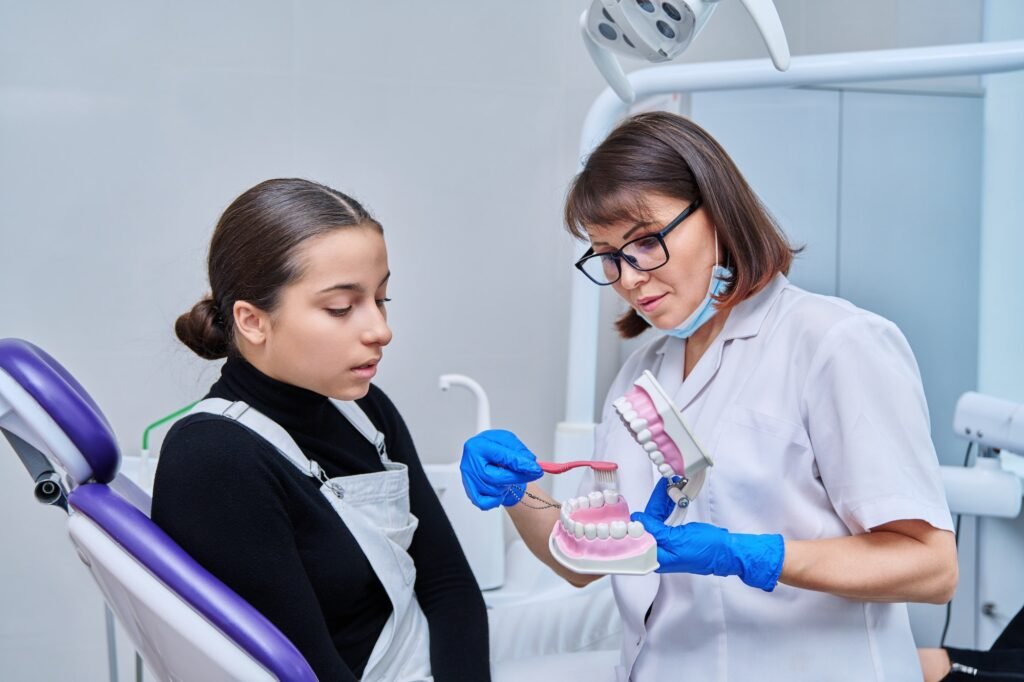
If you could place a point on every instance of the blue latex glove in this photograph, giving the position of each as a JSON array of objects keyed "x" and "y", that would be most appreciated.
[
  {"x": 705, "y": 549},
  {"x": 496, "y": 467}
]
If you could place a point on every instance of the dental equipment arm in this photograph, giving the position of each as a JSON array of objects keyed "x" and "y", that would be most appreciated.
[
  {"x": 993, "y": 486},
  {"x": 992, "y": 423},
  {"x": 661, "y": 31}
]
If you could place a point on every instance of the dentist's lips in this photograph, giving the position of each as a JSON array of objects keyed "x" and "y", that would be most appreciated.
[
  {"x": 367, "y": 371},
  {"x": 649, "y": 303}
]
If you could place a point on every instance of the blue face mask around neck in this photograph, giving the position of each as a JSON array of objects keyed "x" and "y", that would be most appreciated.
[{"x": 704, "y": 312}]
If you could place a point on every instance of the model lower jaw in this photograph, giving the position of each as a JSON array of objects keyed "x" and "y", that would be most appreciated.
[{"x": 595, "y": 535}]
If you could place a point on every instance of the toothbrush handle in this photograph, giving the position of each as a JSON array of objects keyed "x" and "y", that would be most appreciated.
[{"x": 562, "y": 467}]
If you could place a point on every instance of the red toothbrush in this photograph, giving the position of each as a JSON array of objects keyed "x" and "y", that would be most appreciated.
[{"x": 604, "y": 472}]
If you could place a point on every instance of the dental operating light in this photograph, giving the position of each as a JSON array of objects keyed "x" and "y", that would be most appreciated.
[{"x": 660, "y": 31}]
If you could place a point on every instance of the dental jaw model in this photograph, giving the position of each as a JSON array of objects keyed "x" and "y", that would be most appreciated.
[
  {"x": 594, "y": 534},
  {"x": 658, "y": 426}
]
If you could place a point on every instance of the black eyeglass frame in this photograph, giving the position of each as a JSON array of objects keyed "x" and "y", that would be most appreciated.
[{"x": 620, "y": 256}]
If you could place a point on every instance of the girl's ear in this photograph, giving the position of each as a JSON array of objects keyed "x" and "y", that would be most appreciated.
[{"x": 251, "y": 323}]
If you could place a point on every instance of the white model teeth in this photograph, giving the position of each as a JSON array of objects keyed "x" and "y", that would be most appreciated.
[
  {"x": 638, "y": 425},
  {"x": 630, "y": 415},
  {"x": 665, "y": 469},
  {"x": 650, "y": 446},
  {"x": 643, "y": 436},
  {"x": 657, "y": 457},
  {"x": 593, "y": 500},
  {"x": 615, "y": 530},
  {"x": 621, "y": 405}
]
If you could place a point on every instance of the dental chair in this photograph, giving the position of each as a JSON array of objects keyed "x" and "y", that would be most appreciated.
[{"x": 185, "y": 623}]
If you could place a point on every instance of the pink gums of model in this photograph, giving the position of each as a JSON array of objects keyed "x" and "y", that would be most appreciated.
[
  {"x": 596, "y": 536},
  {"x": 643, "y": 405}
]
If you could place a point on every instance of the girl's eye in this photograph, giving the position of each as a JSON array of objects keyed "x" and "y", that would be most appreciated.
[
  {"x": 382, "y": 301},
  {"x": 339, "y": 312}
]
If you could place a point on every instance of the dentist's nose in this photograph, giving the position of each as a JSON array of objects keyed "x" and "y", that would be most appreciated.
[{"x": 630, "y": 278}]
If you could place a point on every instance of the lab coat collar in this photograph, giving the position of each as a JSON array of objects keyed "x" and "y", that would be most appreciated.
[
  {"x": 746, "y": 317},
  {"x": 744, "y": 321}
]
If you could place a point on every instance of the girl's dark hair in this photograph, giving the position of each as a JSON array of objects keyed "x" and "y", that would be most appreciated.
[
  {"x": 661, "y": 153},
  {"x": 252, "y": 254}
]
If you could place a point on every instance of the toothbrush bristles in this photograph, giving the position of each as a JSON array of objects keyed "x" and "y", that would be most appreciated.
[{"x": 605, "y": 479}]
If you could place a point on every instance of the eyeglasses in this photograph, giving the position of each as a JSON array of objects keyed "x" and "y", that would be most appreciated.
[{"x": 643, "y": 253}]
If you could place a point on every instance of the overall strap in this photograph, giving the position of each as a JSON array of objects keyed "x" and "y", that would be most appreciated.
[
  {"x": 355, "y": 415},
  {"x": 262, "y": 426}
]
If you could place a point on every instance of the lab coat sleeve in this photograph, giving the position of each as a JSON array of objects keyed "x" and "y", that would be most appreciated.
[{"x": 866, "y": 415}]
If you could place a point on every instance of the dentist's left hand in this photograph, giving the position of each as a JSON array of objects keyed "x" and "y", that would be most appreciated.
[
  {"x": 496, "y": 467},
  {"x": 705, "y": 549}
]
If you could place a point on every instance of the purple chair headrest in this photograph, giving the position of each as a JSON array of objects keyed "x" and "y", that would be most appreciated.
[
  {"x": 231, "y": 614},
  {"x": 67, "y": 403}
]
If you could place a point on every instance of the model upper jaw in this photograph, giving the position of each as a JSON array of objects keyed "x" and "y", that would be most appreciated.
[{"x": 645, "y": 424}]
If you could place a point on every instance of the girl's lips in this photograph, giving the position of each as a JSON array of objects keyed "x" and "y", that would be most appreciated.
[
  {"x": 366, "y": 371},
  {"x": 649, "y": 303}
]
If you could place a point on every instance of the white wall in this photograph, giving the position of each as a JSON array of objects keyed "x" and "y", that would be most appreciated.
[
  {"x": 127, "y": 127},
  {"x": 1001, "y": 338},
  {"x": 1001, "y": 357}
]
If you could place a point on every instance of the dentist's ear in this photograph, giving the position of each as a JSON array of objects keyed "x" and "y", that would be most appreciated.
[{"x": 251, "y": 323}]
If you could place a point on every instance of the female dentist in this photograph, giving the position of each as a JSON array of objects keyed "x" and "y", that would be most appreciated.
[{"x": 825, "y": 500}]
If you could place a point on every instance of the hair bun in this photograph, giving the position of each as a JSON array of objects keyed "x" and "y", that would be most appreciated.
[{"x": 203, "y": 330}]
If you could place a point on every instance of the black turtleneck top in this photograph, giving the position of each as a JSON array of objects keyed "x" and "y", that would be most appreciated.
[{"x": 252, "y": 519}]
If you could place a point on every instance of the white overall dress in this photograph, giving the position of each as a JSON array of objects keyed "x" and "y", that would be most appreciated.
[{"x": 375, "y": 509}]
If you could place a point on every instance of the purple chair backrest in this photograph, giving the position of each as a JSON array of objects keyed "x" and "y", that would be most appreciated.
[{"x": 36, "y": 393}]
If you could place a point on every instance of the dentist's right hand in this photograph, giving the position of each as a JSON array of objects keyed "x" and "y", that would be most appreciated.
[{"x": 496, "y": 467}]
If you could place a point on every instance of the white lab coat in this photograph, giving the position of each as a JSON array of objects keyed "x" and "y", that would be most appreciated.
[{"x": 814, "y": 413}]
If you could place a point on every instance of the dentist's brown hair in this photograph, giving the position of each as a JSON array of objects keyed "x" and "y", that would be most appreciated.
[{"x": 664, "y": 154}]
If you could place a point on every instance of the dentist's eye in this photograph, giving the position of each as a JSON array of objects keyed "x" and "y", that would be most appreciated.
[
  {"x": 382, "y": 301},
  {"x": 338, "y": 312}
]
